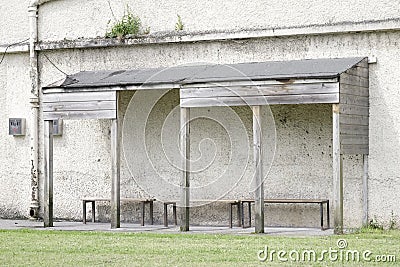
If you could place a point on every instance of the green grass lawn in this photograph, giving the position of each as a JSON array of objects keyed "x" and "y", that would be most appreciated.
[{"x": 67, "y": 248}]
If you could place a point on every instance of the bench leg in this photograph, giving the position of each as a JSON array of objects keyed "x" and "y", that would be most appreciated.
[
  {"x": 242, "y": 211},
  {"x": 84, "y": 212},
  {"x": 165, "y": 215},
  {"x": 93, "y": 211},
  {"x": 143, "y": 213},
  {"x": 230, "y": 215},
  {"x": 174, "y": 213},
  {"x": 239, "y": 214},
  {"x": 327, "y": 214},
  {"x": 249, "y": 204},
  {"x": 151, "y": 213},
  {"x": 321, "y": 209}
]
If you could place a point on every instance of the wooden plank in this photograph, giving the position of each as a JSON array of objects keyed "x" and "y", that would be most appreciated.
[
  {"x": 76, "y": 115},
  {"x": 363, "y": 63},
  {"x": 365, "y": 189},
  {"x": 354, "y": 90},
  {"x": 359, "y": 71},
  {"x": 79, "y": 97},
  {"x": 115, "y": 174},
  {"x": 260, "y": 100},
  {"x": 354, "y": 110},
  {"x": 258, "y": 83},
  {"x": 354, "y": 100},
  {"x": 48, "y": 174},
  {"x": 349, "y": 129},
  {"x": 354, "y": 80},
  {"x": 79, "y": 106},
  {"x": 354, "y": 119},
  {"x": 355, "y": 149},
  {"x": 337, "y": 166},
  {"x": 266, "y": 90},
  {"x": 354, "y": 139},
  {"x": 185, "y": 182},
  {"x": 258, "y": 175}
]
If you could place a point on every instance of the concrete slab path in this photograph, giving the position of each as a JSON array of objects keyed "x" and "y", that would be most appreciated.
[{"x": 130, "y": 227}]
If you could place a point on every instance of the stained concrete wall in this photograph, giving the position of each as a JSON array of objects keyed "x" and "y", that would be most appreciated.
[
  {"x": 302, "y": 163},
  {"x": 14, "y": 152},
  {"x": 72, "y": 19}
]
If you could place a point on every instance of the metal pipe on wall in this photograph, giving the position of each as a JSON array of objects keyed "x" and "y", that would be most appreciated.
[{"x": 34, "y": 104}]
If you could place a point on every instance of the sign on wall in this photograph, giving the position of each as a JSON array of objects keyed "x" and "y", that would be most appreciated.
[{"x": 16, "y": 126}]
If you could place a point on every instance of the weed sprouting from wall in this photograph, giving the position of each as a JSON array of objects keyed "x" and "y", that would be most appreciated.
[
  {"x": 129, "y": 24},
  {"x": 179, "y": 24}
]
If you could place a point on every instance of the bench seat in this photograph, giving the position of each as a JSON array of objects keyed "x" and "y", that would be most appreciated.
[
  {"x": 230, "y": 202},
  {"x": 142, "y": 201},
  {"x": 321, "y": 202}
]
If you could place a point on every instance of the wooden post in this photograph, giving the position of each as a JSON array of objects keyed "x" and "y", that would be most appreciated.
[
  {"x": 337, "y": 172},
  {"x": 115, "y": 174},
  {"x": 365, "y": 189},
  {"x": 185, "y": 182},
  {"x": 48, "y": 174},
  {"x": 258, "y": 175}
]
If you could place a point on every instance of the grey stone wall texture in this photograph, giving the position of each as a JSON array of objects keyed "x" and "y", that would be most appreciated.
[{"x": 299, "y": 141}]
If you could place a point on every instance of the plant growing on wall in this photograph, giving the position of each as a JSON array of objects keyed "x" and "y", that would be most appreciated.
[
  {"x": 129, "y": 24},
  {"x": 179, "y": 25}
]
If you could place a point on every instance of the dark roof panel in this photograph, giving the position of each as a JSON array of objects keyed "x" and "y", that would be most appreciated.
[{"x": 188, "y": 74}]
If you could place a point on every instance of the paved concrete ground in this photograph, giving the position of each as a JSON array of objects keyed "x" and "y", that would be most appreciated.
[{"x": 129, "y": 227}]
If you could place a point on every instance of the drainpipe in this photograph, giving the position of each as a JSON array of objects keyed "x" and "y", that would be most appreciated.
[{"x": 34, "y": 104}]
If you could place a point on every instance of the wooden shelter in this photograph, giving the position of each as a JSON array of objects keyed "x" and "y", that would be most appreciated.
[{"x": 342, "y": 82}]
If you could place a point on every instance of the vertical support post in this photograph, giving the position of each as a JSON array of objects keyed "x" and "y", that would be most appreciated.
[
  {"x": 258, "y": 175},
  {"x": 337, "y": 172},
  {"x": 185, "y": 182},
  {"x": 48, "y": 174},
  {"x": 115, "y": 174},
  {"x": 365, "y": 189}
]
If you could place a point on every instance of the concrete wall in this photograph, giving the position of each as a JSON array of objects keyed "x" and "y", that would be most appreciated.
[
  {"x": 14, "y": 152},
  {"x": 302, "y": 162}
]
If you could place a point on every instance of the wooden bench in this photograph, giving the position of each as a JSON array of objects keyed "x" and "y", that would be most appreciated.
[
  {"x": 289, "y": 201},
  {"x": 143, "y": 202},
  {"x": 230, "y": 203}
]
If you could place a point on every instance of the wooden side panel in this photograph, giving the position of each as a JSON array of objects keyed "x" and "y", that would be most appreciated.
[
  {"x": 354, "y": 110},
  {"x": 80, "y": 105},
  {"x": 264, "y": 94}
]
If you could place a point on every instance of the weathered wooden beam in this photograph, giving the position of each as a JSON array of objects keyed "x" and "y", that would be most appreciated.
[
  {"x": 260, "y": 100},
  {"x": 354, "y": 119},
  {"x": 337, "y": 172},
  {"x": 260, "y": 90},
  {"x": 359, "y": 71},
  {"x": 258, "y": 174},
  {"x": 354, "y": 90},
  {"x": 185, "y": 181},
  {"x": 115, "y": 174},
  {"x": 79, "y": 105},
  {"x": 80, "y": 114},
  {"x": 346, "y": 78},
  {"x": 354, "y": 100},
  {"x": 48, "y": 174},
  {"x": 365, "y": 189},
  {"x": 79, "y": 97},
  {"x": 282, "y": 82},
  {"x": 354, "y": 110}
]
